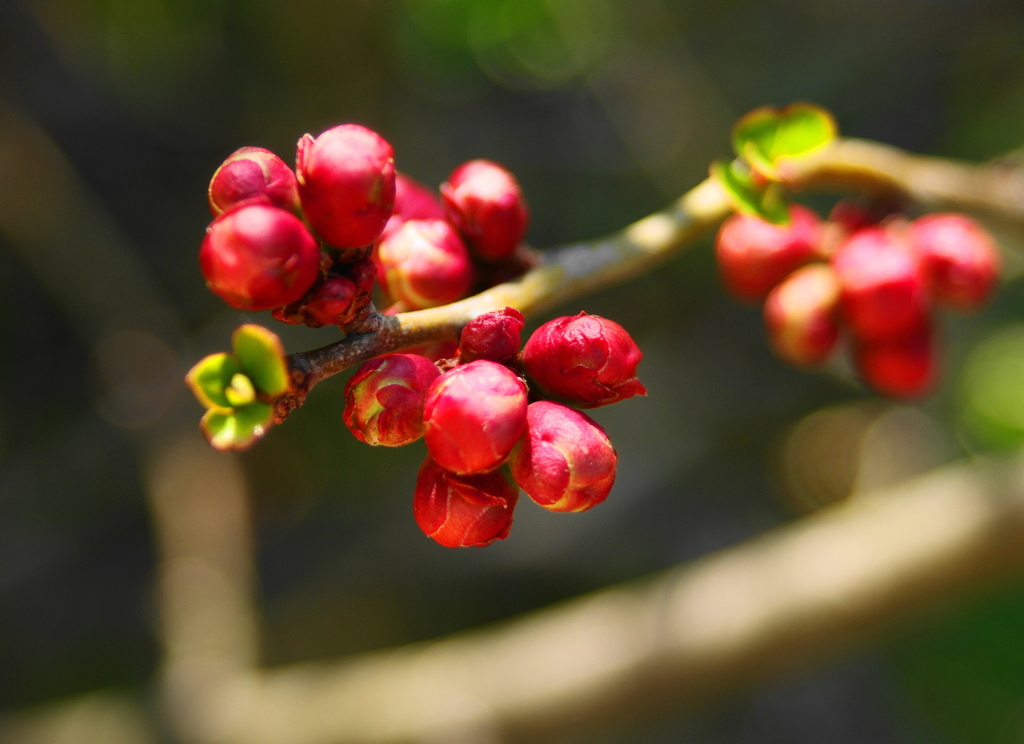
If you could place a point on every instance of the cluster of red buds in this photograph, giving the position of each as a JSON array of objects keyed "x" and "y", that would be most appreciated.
[
  {"x": 496, "y": 419},
  {"x": 872, "y": 278},
  {"x": 308, "y": 244}
]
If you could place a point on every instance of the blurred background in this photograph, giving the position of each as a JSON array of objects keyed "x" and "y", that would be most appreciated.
[{"x": 114, "y": 115}]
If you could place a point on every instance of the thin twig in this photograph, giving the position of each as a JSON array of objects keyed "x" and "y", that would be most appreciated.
[{"x": 582, "y": 268}]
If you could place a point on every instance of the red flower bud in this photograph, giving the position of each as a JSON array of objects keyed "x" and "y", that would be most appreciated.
[
  {"x": 474, "y": 413},
  {"x": 494, "y": 336},
  {"x": 754, "y": 255},
  {"x": 346, "y": 184},
  {"x": 903, "y": 366},
  {"x": 257, "y": 257},
  {"x": 424, "y": 263},
  {"x": 413, "y": 201},
  {"x": 586, "y": 361},
  {"x": 961, "y": 261},
  {"x": 800, "y": 315},
  {"x": 463, "y": 510},
  {"x": 384, "y": 399},
  {"x": 485, "y": 203},
  {"x": 253, "y": 173},
  {"x": 338, "y": 299},
  {"x": 565, "y": 461},
  {"x": 882, "y": 291}
]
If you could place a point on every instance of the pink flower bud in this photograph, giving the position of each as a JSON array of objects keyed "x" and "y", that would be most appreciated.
[
  {"x": 413, "y": 201},
  {"x": 339, "y": 299},
  {"x": 253, "y": 173},
  {"x": 474, "y": 413},
  {"x": 565, "y": 461},
  {"x": 586, "y": 361},
  {"x": 346, "y": 184},
  {"x": 424, "y": 263},
  {"x": 754, "y": 255},
  {"x": 485, "y": 203},
  {"x": 464, "y": 510},
  {"x": 257, "y": 257},
  {"x": 882, "y": 287},
  {"x": 961, "y": 261},
  {"x": 494, "y": 336},
  {"x": 902, "y": 366},
  {"x": 384, "y": 399},
  {"x": 800, "y": 315}
]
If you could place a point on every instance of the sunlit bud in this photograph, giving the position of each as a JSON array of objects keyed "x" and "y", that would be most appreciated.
[
  {"x": 424, "y": 263},
  {"x": 565, "y": 461},
  {"x": 585, "y": 360},
  {"x": 474, "y": 413},
  {"x": 485, "y": 203},
  {"x": 494, "y": 336},
  {"x": 882, "y": 288},
  {"x": 902, "y": 366},
  {"x": 754, "y": 255},
  {"x": 413, "y": 201},
  {"x": 801, "y": 315},
  {"x": 253, "y": 173},
  {"x": 384, "y": 399},
  {"x": 464, "y": 510},
  {"x": 346, "y": 184},
  {"x": 258, "y": 257},
  {"x": 960, "y": 259}
]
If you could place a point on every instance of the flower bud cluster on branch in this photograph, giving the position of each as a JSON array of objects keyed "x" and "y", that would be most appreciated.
[{"x": 345, "y": 232}]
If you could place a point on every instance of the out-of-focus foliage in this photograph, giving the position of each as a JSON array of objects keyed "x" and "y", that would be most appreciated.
[{"x": 113, "y": 116}]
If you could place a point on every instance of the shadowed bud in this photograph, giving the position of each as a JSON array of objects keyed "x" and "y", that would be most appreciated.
[
  {"x": 253, "y": 173},
  {"x": 902, "y": 367},
  {"x": 882, "y": 287},
  {"x": 565, "y": 461},
  {"x": 961, "y": 261},
  {"x": 338, "y": 299},
  {"x": 464, "y": 510},
  {"x": 474, "y": 413},
  {"x": 485, "y": 203},
  {"x": 800, "y": 315},
  {"x": 424, "y": 263},
  {"x": 494, "y": 336},
  {"x": 413, "y": 201},
  {"x": 754, "y": 255},
  {"x": 258, "y": 257},
  {"x": 585, "y": 360},
  {"x": 346, "y": 184},
  {"x": 384, "y": 399}
]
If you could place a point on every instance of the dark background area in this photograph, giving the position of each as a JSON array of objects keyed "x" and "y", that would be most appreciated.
[{"x": 113, "y": 116}]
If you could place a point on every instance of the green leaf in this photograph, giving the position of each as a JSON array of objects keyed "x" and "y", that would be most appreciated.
[
  {"x": 261, "y": 357},
  {"x": 210, "y": 378},
  {"x": 767, "y": 136},
  {"x": 238, "y": 429},
  {"x": 746, "y": 195}
]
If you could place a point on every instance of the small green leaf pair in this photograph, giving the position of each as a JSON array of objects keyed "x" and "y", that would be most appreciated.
[
  {"x": 764, "y": 141},
  {"x": 235, "y": 387}
]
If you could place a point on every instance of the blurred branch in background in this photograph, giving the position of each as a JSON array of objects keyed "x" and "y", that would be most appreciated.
[{"x": 795, "y": 596}]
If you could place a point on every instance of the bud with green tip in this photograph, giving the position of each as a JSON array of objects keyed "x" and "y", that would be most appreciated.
[{"x": 384, "y": 399}]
